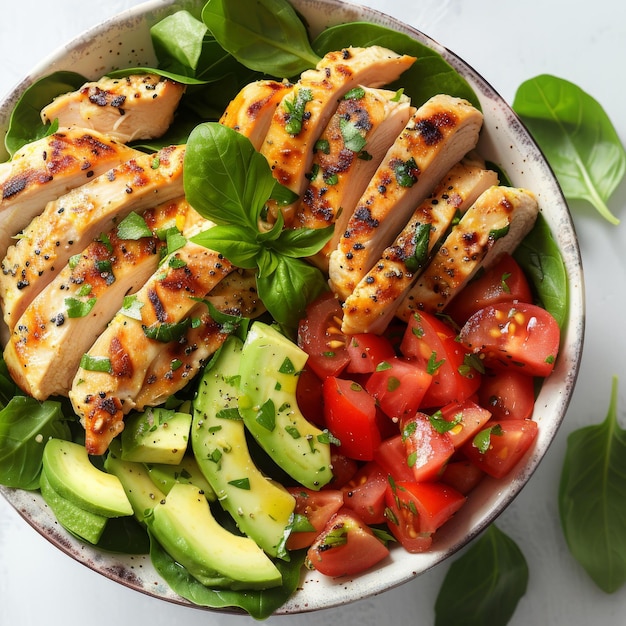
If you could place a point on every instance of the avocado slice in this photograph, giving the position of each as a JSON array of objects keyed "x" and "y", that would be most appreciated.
[
  {"x": 81, "y": 523},
  {"x": 261, "y": 508},
  {"x": 269, "y": 370},
  {"x": 74, "y": 477},
  {"x": 186, "y": 529},
  {"x": 187, "y": 471},
  {"x": 140, "y": 490},
  {"x": 156, "y": 435}
]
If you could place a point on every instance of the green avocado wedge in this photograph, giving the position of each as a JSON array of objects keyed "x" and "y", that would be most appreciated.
[
  {"x": 72, "y": 475},
  {"x": 184, "y": 526},
  {"x": 269, "y": 370},
  {"x": 261, "y": 508}
]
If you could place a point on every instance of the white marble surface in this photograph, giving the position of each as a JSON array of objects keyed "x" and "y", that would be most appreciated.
[{"x": 507, "y": 42}]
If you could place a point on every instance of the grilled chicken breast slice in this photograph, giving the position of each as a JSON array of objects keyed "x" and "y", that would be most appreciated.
[
  {"x": 365, "y": 124},
  {"x": 495, "y": 223},
  {"x": 70, "y": 223},
  {"x": 438, "y": 135},
  {"x": 304, "y": 113},
  {"x": 250, "y": 112},
  {"x": 45, "y": 169},
  {"x": 140, "y": 106},
  {"x": 65, "y": 319},
  {"x": 179, "y": 361},
  {"x": 113, "y": 371},
  {"x": 371, "y": 306}
]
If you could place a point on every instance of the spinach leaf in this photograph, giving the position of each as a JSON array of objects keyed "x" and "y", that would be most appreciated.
[
  {"x": 540, "y": 258},
  {"x": 485, "y": 584},
  {"x": 259, "y": 604},
  {"x": 25, "y": 426},
  {"x": 592, "y": 498},
  {"x": 265, "y": 35},
  {"x": 577, "y": 136},
  {"x": 428, "y": 76},
  {"x": 25, "y": 124}
]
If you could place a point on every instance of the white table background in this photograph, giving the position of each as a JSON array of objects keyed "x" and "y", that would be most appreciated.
[{"x": 506, "y": 41}]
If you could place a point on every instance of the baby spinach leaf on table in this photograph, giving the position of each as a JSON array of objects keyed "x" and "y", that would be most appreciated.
[
  {"x": 592, "y": 498},
  {"x": 25, "y": 124},
  {"x": 485, "y": 584},
  {"x": 265, "y": 35},
  {"x": 430, "y": 75},
  {"x": 25, "y": 425},
  {"x": 577, "y": 137},
  {"x": 259, "y": 604},
  {"x": 540, "y": 258}
]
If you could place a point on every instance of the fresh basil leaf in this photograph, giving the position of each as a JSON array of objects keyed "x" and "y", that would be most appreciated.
[
  {"x": 539, "y": 256},
  {"x": 265, "y": 35},
  {"x": 226, "y": 179},
  {"x": 428, "y": 76},
  {"x": 592, "y": 498},
  {"x": 286, "y": 286},
  {"x": 25, "y": 426},
  {"x": 25, "y": 124},
  {"x": 302, "y": 242},
  {"x": 133, "y": 227},
  {"x": 484, "y": 585},
  {"x": 167, "y": 331},
  {"x": 577, "y": 137},
  {"x": 8, "y": 388},
  {"x": 233, "y": 242}
]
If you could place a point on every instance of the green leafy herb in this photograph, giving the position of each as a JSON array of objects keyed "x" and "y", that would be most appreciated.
[
  {"x": 266, "y": 416},
  {"x": 240, "y": 483},
  {"x": 134, "y": 227},
  {"x": 592, "y": 498},
  {"x": 96, "y": 363},
  {"x": 442, "y": 425},
  {"x": 353, "y": 138},
  {"x": 421, "y": 239},
  {"x": 79, "y": 308},
  {"x": 167, "y": 331},
  {"x": 131, "y": 307},
  {"x": 265, "y": 35},
  {"x": 485, "y": 585},
  {"x": 578, "y": 138},
  {"x": 482, "y": 440},
  {"x": 406, "y": 172},
  {"x": 295, "y": 109},
  {"x": 433, "y": 365}
]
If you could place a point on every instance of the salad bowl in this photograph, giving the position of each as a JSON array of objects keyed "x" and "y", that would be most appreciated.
[{"x": 504, "y": 141}]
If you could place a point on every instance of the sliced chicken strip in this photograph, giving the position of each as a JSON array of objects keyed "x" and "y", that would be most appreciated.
[
  {"x": 71, "y": 222},
  {"x": 179, "y": 361},
  {"x": 373, "y": 303},
  {"x": 304, "y": 113},
  {"x": 65, "y": 319},
  {"x": 250, "y": 112},
  {"x": 365, "y": 124},
  {"x": 45, "y": 169},
  {"x": 112, "y": 373},
  {"x": 140, "y": 106},
  {"x": 494, "y": 224},
  {"x": 440, "y": 134}
]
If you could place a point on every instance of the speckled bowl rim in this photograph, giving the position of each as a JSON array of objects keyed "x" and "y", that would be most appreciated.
[{"x": 123, "y": 41}]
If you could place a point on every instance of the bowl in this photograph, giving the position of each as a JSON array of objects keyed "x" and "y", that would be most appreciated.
[{"x": 505, "y": 141}]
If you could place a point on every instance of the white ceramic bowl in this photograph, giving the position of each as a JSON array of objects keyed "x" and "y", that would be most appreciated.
[{"x": 504, "y": 141}]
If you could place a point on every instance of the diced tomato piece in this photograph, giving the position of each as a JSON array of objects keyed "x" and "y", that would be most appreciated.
[
  {"x": 345, "y": 547},
  {"x": 504, "y": 282},
  {"x": 403, "y": 519},
  {"x": 344, "y": 469},
  {"x": 365, "y": 493},
  {"x": 309, "y": 397},
  {"x": 519, "y": 335},
  {"x": 350, "y": 414},
  {"x": 508, "y": 394},
  {"x": 501, "y": 445},
  {"x": 433, "y": 345},
  {"x": 318, "y": 507},
  {"x": 427, "y": 450},
  {"x": 320, "y": 336},
  {"x": 367, "y": 351},
  {"x": 399, "y": 387},
  {"x": 392, "y": 456},
  {"x": 462, "y": 476},
  {"x": 467, "y": 419}
]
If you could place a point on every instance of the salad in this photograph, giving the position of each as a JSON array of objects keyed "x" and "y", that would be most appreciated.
[{"x": 370, "y": 438}]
